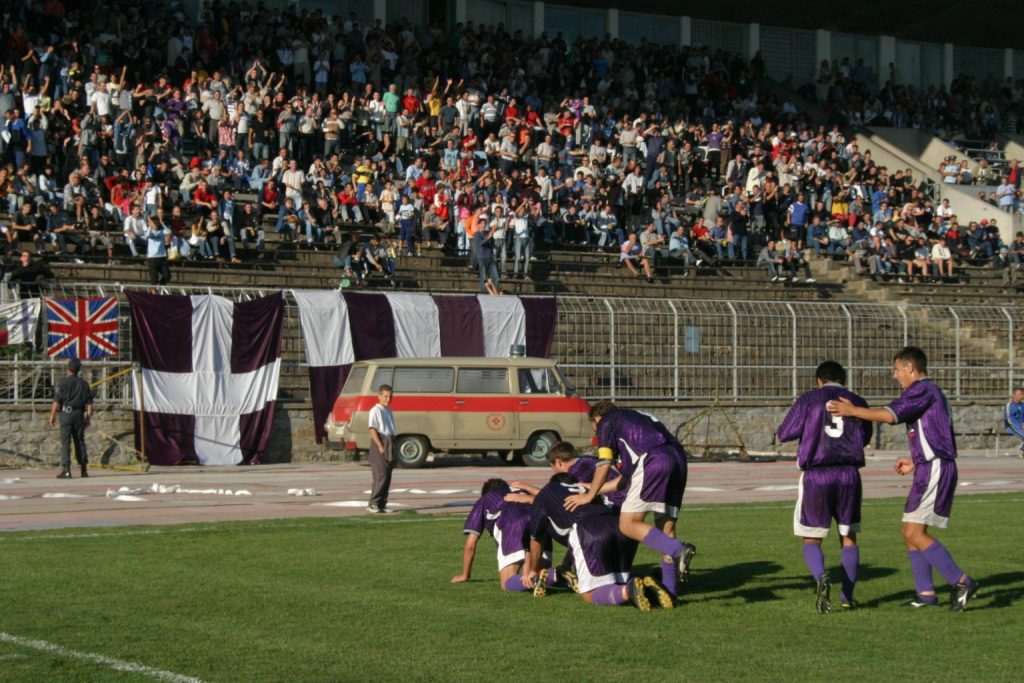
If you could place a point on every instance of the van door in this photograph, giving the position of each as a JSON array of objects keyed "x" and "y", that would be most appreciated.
[
  {"x": 484, "y": 416},
  {"x": 423, "y": 401},
  {"x": 542, "y": 406}
]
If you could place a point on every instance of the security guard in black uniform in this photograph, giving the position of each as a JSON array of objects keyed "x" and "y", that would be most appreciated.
[{"x": 73, "y": 399}]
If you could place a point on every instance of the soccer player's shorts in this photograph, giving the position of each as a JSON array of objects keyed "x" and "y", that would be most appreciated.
[
  {"x": 601, "y": 554},
  {"x": 827, "y": 493},
  {"x": 930, "y": 500},
  {"x": 512, "y": 534},
  {"x": 657, "y": 482}
]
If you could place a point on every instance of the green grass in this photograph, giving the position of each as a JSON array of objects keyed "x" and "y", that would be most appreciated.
[{"x": 368, "y": 599}]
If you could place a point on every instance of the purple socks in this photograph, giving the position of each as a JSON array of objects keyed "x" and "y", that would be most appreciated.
[
  {"x": 662, "y": 543},
  {"x": 515, "y": 583},
  {"x": 814, "y": 559},
  {"x": 607, "y": 595},
  {"x": 670, "y": 577},
  {"x": 922, "y": 572},
  {"x": 850, "y": 560},
  {"x": 938, "y": 557}
]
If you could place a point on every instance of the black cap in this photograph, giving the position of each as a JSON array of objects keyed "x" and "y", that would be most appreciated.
[{"x": 74, "y": 365}]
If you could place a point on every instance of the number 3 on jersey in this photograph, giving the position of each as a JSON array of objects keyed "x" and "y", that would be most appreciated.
[{"x": 835, "y": 429}]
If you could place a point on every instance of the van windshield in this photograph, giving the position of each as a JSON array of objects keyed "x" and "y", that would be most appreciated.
[{"x": 354, "y": 383}]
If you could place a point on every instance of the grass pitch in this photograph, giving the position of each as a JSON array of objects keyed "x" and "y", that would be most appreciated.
[{"x": 368, "y": 599}]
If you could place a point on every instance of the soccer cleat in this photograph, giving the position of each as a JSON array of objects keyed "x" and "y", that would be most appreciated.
[
  {"x": 848, "y": 604},
  {"x": 822, "y": 600},
  {"x": 636, "y": 594},
  {"x": 684, "y": 559},
  {"x": 657, "y": 593},
  {"x": 917, "y": 602},
  {"x": 961, "y": 594},
  {"x": 540, "y": 584},
  {"x": 570, "y": 579}
]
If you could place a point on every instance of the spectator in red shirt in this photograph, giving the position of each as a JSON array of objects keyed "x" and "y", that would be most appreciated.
[
  {"x": 426, "y": 187},
  {"x": 204, "y": 198}
]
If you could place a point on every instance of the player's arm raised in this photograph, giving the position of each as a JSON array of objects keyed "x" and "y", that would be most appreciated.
[
  {"x": 468, "y": 553},
  {"x": 846, "y": 408}
]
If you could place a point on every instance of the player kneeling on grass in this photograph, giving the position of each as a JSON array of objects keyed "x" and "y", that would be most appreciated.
[
  {"x": 603, "y": 557},
  {"x": 925, "y": 410},
  {"x": 830, "y": 454},
  {"x": 508, "y": 524},
  {"x": 653, "y": 468}
]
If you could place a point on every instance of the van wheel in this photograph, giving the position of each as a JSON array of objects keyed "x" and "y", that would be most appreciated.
[
  {"x": 411, "y": 451},
  {"x": 536, "y": 452}
]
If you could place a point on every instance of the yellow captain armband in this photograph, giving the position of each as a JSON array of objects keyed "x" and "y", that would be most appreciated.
[{"x": 605, "y": 454}]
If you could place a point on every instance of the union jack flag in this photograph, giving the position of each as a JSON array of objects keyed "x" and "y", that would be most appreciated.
[{"x": 82, "y": 328}]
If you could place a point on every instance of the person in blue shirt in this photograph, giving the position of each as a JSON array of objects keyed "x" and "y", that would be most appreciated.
[{"x": 1013, "y": 416}]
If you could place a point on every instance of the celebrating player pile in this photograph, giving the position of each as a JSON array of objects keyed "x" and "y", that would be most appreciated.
[{"x": 579, "y": 508}]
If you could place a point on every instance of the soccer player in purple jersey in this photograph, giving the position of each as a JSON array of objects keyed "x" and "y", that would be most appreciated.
[
  {"x": 924, "y": 409},
  {"x": 830, "y": 454},
  {"x": 602, "y": 555},
  {"x": 508, "y": 523},
  {"x": 652, "y": 465}
]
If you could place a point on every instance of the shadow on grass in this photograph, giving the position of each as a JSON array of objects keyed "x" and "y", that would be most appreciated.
[
  {"x": 1000, "y": 590},
  {"x": 753, "y": 582},
  {"x": 997, "y": 591}
]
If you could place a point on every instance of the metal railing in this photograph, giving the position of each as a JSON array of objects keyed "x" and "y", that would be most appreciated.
[{"x": 671, "y": 350}]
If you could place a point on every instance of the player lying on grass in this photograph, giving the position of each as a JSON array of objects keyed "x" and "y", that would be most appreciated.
[
  {"x": 563, "y": 458},
  {"x": 653, "y": 468},
  {"x": 603, "y": 557},
  {"x": 830, "y": 455},
  {"x": 924, "y": 409},
  {"x": 508, "y": 524}
]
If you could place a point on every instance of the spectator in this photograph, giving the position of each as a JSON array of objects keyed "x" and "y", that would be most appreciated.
[
  {"x": 30, "y": 276},
  {"x": 679, "y": 248},
  {"x": 942, "y": 260},
  {"x": 769, "y": 259},
  {"x": 1013, "y": 417}
]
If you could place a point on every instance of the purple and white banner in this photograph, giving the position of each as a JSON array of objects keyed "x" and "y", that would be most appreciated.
[
  {"x": 341, "y": 328},
  {"x": 209, "y": 373}
]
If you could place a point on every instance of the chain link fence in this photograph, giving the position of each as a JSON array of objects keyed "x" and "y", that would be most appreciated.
[{"x": 662, "y": 350}]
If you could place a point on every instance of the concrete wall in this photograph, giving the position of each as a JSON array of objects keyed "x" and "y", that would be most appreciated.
[
  {"x": 26, "y": 440},
  {"x": 1013, "y": 145},
  {"x": 29, "y": 442}
]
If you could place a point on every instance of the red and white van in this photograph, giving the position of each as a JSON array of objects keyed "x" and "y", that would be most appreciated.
[{"x": 521, "y": 406}]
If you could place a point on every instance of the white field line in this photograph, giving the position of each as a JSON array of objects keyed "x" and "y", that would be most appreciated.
[
  {"x": 15, "y": 536},
  {"x": 7, "y": 537},
  {"x": 117, "y": 664}
]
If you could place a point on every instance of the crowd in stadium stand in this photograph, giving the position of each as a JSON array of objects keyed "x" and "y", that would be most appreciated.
[{"x": 133, "y": 127}]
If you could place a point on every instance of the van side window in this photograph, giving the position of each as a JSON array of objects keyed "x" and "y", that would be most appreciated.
[
  {"x": 416, "y": 380},
  {"x": 383, "y": 375},
  {"x": 483, "y": 381},
  {"x": 354, "y": 383}
]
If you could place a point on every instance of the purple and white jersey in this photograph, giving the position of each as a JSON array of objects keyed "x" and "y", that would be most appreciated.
[
  {"x": 492, "y": 510},
  {"x": 583, "y": 469},
  {"x": 825, "y": 439},
  {"x": 629, "y": 434},
  {"x": 926, "y": 412},
  {"x": 601, "y": 554},
  {"x": 550, "y": 519}
]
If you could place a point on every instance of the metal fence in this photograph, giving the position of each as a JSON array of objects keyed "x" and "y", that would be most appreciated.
[{"x": 669, "y": 350}]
